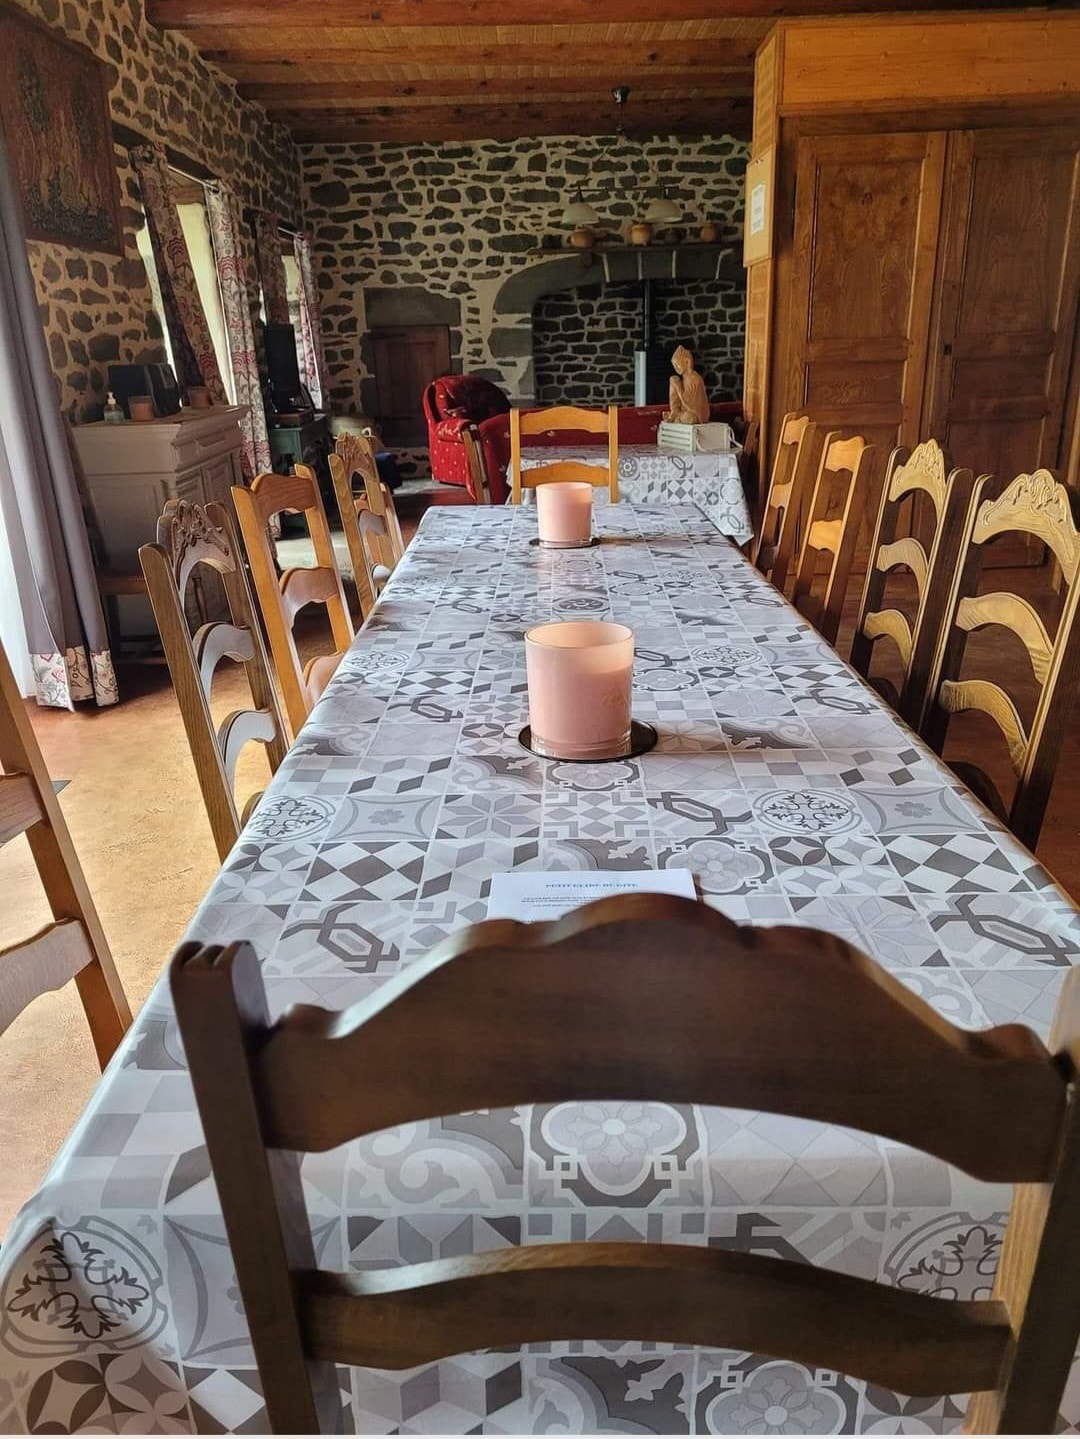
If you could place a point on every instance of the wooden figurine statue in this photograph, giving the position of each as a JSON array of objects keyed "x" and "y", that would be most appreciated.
[{"x": 686, "y": 393}]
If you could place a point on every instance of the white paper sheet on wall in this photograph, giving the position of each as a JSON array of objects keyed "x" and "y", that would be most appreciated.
[{"x": 530, "y": 895}]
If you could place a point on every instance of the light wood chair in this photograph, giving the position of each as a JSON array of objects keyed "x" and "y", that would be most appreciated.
[
  {"x": 365, "y": 534},
  {"x": 189, "y": 537},
  {"x": 74, "y": 945},
  {"x": 564, "y": 417},
  {"x": 503, "y": 1014},
  {"x": 794, "y": 466},
  {"x": 280, "y": 598},
  {"x": 476, "y": 478},
  {"x": 839, "y": 498},
  {"x": 1038, "y": 506},
  {"x": 358, "y": 457},
  {"x": 919, "y": 493}
]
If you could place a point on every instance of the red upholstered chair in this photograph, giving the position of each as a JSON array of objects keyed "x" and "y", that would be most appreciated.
[{"x": 450, "y": 404}]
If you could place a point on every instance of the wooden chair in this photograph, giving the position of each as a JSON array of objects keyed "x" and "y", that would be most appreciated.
[
  {"x": 797, "y": 452},
  {"x": 188, "y": 537},
  {"x": 564, "y": 417},
  {"x": 913, "y": 478},
  {"x": 476, "y": 478},
  {"x": 1038, "y": 506},
  {"x": 74, "y": 945},
  {"x": 504, "y": 1014},
  {"x": 281, "y": 598},
  {"x": 839, "y": 498},
  {"x": 358, "y": 457},
  {"x": 364, "y": 534}
]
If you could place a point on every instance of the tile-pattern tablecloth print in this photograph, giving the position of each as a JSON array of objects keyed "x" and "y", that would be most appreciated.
[
  {"x": 793, "y": 795},
  {"x": 651, "y": 476}
]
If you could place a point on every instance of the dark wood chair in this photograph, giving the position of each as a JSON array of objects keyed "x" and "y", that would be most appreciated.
[
  {"x": 1034, "y": 505},
  {"x": 919, "y": 494},
  {"x": 189, "y": 537},
  {"x": 775, "y": 546},
  {"x": 74, "y": 946},
  {"x": 839, "y": 499},
  {"x": 281, "y": 597},
  {"x": 694, "y": 1010},
  {"x": 476, "y": 476}
]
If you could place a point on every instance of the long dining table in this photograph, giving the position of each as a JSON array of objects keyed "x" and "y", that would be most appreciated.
[{"x": 792, "y": 793}]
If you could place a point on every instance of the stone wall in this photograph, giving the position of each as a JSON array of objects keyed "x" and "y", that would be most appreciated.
[
  {"x": 97, "y": 308},
  {"x": 453, "y": 233},
  {"x": 584, "y": 339}
]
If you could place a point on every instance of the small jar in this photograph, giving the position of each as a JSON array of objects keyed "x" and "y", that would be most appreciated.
[{"x": 141, "y": 407}]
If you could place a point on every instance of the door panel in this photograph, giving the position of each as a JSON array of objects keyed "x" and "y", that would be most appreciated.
[
  {"x": 1002, "y": 340},
  {"x": 407, "y": 359}
]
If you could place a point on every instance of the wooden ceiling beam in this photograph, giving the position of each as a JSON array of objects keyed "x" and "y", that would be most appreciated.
[
  {"x": 363, "y": 92},
  {"x": 728, "y": 116}
]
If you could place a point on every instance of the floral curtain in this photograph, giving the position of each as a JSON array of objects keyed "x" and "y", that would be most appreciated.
[
  {"x": 192, "y": 346},
  {"x": 315, "y": 376},
  {"x": 223, "y": 210},
  {"x": 43, "y": 506},
  {"x": 271, "y": 268}
]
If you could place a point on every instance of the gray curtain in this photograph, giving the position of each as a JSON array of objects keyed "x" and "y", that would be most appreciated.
[{"x": 43, "y": 507}]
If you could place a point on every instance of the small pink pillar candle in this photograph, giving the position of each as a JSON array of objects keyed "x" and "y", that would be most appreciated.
[
  {"x": 579, "y": 674},
  {"x": 564, "y": 512}
]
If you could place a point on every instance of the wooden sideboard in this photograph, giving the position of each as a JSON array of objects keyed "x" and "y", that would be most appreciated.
[{"x": 133, "y": 468}]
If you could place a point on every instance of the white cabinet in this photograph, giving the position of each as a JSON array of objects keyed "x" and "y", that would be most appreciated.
[{"x": 133, "y": 468}]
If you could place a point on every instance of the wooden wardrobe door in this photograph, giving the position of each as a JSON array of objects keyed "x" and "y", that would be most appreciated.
[
  {"x": 867, "y": 210},
  {"x": 1006, "y": 315}
]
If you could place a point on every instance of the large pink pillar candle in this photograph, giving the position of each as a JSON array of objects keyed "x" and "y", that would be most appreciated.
[
  {"x": 564, "y": 513},
  {"x": 580, "y": 673}
]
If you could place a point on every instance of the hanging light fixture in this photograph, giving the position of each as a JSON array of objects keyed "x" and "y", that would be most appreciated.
[
  {"x": 580, "y": 212},
  {"x": 663, "y": 210}
]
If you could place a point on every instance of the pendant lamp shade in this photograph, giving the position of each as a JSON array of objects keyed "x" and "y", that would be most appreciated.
[{"x": 580, "y": 212}]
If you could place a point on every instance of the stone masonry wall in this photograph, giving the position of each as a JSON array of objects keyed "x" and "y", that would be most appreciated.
[
  {"x": 452, "y": 234},
  {"x": 584, "y": 339},
  {"x": 97, "y": 308}
]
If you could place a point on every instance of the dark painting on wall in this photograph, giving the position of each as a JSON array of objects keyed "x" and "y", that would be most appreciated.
[{"x": 55, "y": 114}]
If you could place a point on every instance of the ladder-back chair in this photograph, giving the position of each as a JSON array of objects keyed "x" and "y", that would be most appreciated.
[
  {"x": 837, "y": 504},
  {"x": 476, "y": 478},
  {"x": 694, "y": 1010},
  {"x": 794, "y": 465},
  {"x": 913, "y": 478},
  {"x": 281, "y": 597},
  {"x": 74, "y": 946},
  {"x": 357, "y": 455},
  {"x": 564, "y": 417},
  {"x": 188, "y": 537},
  {"x": 1037, "y": 506}
]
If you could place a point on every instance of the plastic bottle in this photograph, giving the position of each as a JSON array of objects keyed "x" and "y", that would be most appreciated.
[{"x": 113, "y": 413}]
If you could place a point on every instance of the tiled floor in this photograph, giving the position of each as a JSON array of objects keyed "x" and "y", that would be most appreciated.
[{"x": 140, "y": 828}]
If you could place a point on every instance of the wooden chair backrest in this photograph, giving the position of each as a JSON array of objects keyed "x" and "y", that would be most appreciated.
[
  {"x": 281, "y": 598},
  {"x": 365, "y": 534},
  {"x": 794, "y": 466},
  {"x": 188, "y": 537},
  {"x": 837, "y": 502},
  {"x": 357, "y": 454},
  {"x": 74, "y": 945},
  {"x": 564, "y": 417},
  {"x": 1035, "y": 505},
  {"x": 912, "y": 477},
  {"x": 476, "y": 479},
  {"x": 503, "y": 1014}
]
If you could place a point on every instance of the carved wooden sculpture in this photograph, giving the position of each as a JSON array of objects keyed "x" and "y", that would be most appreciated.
[{"x": 688, "y": 403}]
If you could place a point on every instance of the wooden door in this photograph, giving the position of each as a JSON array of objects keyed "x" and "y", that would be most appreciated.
[
  {"x": 407, "y": 358},
  {"x": 1005, "y": 319},
  {"x": 867, "y": 211}
]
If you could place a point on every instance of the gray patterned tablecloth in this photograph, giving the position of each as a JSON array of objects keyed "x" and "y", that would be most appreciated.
[
  {"x": 793, "y": 795},
  {"x": 650, "y": 476}
]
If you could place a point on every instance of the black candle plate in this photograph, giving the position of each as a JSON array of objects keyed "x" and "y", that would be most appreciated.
[{"x": 643, "y": 737}]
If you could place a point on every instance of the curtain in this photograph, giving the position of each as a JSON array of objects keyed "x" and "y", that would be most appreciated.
[
  {"x": 192, "y": 346},
  {"x": 44, "y": 515},
  {"x": 271, "y": 268},
  {"x": 315, "y": 376},
  {"x": 223, "y": 210}
]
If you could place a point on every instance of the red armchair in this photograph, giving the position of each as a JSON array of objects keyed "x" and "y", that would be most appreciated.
[{"x": 454, "y": 401}]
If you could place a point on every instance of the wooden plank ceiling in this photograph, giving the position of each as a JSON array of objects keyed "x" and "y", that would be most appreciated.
[{"x": 470, "y": 69}]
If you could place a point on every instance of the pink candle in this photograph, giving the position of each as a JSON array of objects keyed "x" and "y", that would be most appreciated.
[
  {"x": 564, "y": 512},
  {"x": 580, "y": 673}
]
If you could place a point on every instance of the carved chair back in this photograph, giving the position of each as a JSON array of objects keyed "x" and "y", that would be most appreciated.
[
  {"x": 837, "y": 503},
  {"x": 774, "y": 547},
  {"x": 190, "y": 537},
  {"x": 357, "y": 455},
  {"x": 1035, "y": 505},
  {"x": 476, "y": 479},
  {"x": 504, "y": 1014},
  {"x": 919, "y": 494},
  {"x": 281, "y": 598},
  {"x": 564, "y": 417}
]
